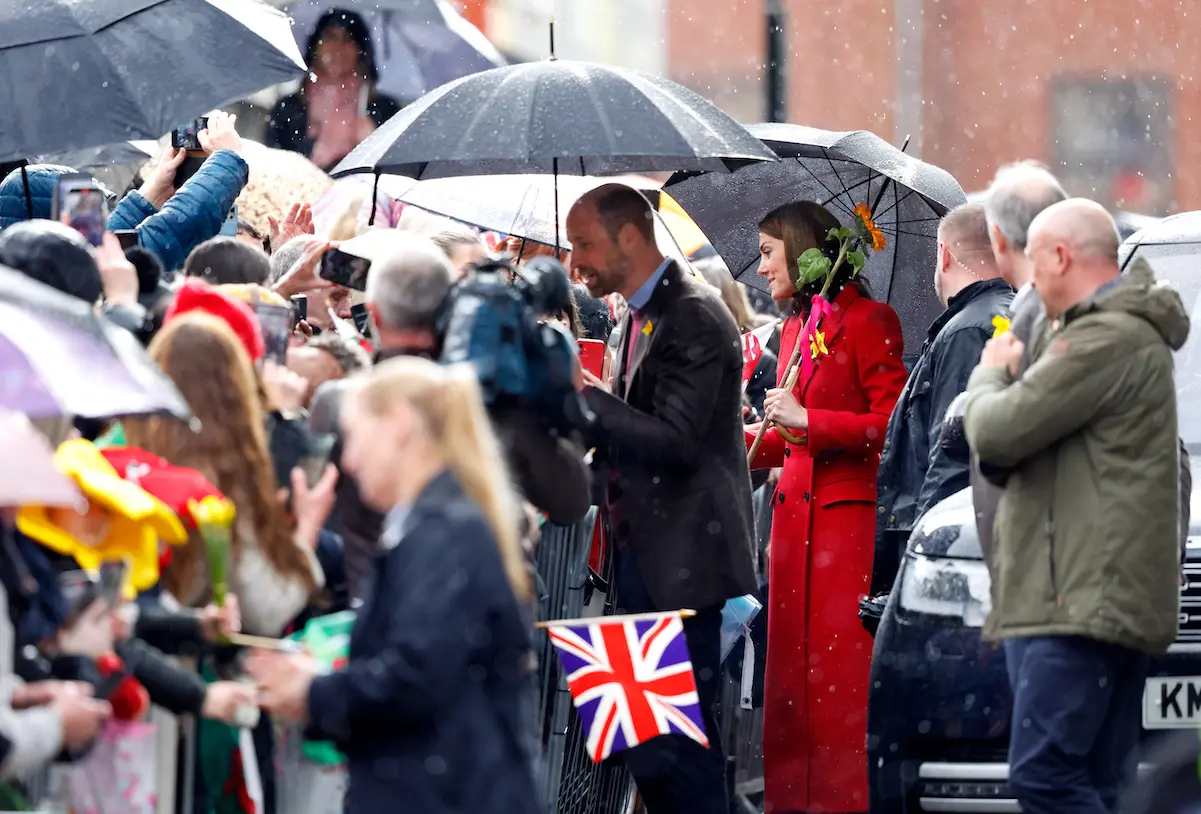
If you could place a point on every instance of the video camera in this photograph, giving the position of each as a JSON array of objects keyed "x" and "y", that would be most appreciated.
[{"x": 493, "y": 320}]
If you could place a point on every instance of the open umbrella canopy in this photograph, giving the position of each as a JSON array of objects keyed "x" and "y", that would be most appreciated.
[
  {"x": 59, "y": 358},
  {"x": 84, "y": 73},
  {"x": 559, "y": 117},
  {"x": 838, "y": 170},
  {"x": 36, "y": 480},
  {"x": 520, "y": 206},
  {"x": 418, "y": 44}
]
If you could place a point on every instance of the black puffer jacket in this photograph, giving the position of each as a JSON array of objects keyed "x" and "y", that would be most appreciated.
[{"x": 915, "y": 473}]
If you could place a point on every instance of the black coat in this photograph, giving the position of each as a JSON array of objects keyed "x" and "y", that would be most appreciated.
[
  {"x": 680, "y": 494},
  {"x": 915, "y": 471},
  {"x": 434, "y": 709},
  {"x": 288, "y": 121}
]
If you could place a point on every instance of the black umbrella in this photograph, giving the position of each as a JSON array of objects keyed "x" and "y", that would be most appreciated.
[
  {"x": 556, "y": 116},
  {"x": 838, "y": 170},
  {"x": 83, "y": 74}
]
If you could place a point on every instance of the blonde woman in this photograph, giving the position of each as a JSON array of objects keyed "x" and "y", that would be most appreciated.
[{"x": 436, "y": 688}]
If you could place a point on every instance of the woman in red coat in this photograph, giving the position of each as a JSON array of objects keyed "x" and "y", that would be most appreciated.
[{"x": 823, "y": 523}]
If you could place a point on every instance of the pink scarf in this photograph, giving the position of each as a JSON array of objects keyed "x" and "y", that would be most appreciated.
[{"x": 821, "y": 307}]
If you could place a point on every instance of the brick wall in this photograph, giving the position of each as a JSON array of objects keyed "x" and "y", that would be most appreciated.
[{"x": 989, "y": 73}]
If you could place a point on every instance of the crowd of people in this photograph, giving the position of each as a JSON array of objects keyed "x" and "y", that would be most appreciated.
[{"x": 425, "y": 504}]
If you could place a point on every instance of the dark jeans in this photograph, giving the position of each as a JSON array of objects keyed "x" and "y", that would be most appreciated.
[
  {"x": 1077, "y": 702},
  {"x": 675, "y": 774}
]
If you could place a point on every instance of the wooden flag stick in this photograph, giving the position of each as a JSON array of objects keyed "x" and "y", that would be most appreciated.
[
  {"x": 626, "y": 617},
  {"x": 244, "y": 640}
]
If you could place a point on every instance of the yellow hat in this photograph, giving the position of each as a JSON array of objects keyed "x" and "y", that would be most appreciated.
[{"x": 138, "y": 520}]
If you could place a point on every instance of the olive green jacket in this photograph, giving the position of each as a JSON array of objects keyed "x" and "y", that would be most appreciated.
[{"x": 1085, "y": 541}]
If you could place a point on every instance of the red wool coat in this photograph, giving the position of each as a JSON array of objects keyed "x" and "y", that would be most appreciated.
[{"x": 823, "y": 528}]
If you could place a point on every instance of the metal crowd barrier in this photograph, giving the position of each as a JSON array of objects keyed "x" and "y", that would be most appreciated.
[{"x": 570, "y": 782}]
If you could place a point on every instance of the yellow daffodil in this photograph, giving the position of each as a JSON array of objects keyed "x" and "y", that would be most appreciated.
[
  {"x": 647, "y": 328},
  {"x": 213, "y": 511},
  {"x": 1000, "y": 325},
  {"x": 214, "y": 518},
  {"x": 817, "y": 345}
]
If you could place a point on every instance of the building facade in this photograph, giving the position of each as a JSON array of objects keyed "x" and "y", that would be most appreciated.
[{"x": 1104, "y": 91}]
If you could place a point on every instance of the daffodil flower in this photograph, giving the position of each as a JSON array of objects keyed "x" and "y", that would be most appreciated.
[
  {"x": 817, "y": 344},
  {"x": 647, "y": 328},
  {"x": 214, "y": 518},
  {"x": 1000, "y": 325}
]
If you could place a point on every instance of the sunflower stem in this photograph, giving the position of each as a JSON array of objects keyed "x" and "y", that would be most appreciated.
[{"x": 842, "y": 256}]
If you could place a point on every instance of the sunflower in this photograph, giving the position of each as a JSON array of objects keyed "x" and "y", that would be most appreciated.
[{"x": 873, "y": 231}]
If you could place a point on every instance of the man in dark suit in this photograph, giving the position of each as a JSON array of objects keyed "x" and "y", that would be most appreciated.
[{"x": 679, "y": 492}]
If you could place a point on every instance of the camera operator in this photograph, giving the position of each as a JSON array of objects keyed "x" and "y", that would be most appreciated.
[{"x": 407, "y": 292}]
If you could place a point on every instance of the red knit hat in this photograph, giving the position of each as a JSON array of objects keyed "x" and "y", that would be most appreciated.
[{"x": 197, "y": 295}]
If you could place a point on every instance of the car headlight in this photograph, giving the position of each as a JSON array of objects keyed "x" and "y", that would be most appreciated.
[{"x": 936, "y": 586}]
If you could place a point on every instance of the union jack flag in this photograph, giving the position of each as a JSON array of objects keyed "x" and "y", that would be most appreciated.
[
  {"x": 753, "y": 344},
  {"x": 630, "y": 678}
]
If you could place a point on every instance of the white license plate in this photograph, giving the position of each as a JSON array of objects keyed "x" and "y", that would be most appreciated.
[{"x": 1172, "y": 703}]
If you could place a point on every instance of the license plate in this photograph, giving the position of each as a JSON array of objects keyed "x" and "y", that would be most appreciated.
[{"x": 1172, "y": 703}]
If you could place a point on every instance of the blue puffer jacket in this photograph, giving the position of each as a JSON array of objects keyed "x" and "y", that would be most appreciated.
[{"x": 193, "y": 215}]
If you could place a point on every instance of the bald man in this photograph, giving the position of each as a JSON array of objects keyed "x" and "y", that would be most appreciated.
[
  {"x": 669, "y": 427},
  {"x": 1085, "y": 563},
  {"x": 915, "y": 471}
]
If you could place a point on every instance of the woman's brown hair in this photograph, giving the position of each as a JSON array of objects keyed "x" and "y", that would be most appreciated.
[
  {"x": 211, "y": 369},
  {"x": 804, "y": 225}
]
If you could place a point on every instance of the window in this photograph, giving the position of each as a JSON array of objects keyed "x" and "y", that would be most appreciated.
[{"x": 1112, "y": 142}]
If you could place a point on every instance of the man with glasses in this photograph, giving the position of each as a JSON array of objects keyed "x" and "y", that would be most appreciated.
[{"x": 915, "y": 471}]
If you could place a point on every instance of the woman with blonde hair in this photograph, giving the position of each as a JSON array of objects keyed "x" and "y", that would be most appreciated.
[
  {"x": 437, "y": 687},
  {"x": 273, "y": 568}
]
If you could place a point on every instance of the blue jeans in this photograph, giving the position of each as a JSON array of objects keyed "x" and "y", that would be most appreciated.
[{"x": 1073, "y": 741}]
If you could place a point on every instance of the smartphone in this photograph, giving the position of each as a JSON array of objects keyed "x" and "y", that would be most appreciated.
[
  {"x": 345, "y": 269},
  {"x": 79, "y": 590},
  {"x": 314, "y": 461},
  {"x": 300, "y": 309},
  {"x": 362, "y": 319},
  {"x": 230, "y": 227},
  {"x": 188, "y": 136},
  {"x": 127, "y": 237},
  {"x": 79, "y": 203},
  {"x": 113, "y": 574},
  {"x": 275, "y": 321},
  {"x": 592, "y": 356}
]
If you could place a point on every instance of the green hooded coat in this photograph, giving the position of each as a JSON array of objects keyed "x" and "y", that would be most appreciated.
[{"x": 1086, "y": 539}]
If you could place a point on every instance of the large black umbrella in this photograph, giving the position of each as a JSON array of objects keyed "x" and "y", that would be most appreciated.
[
  {"x": 560, "y": 117},
  {"x": 838, "y": 170},
  {"x": 79, "y": 74}
]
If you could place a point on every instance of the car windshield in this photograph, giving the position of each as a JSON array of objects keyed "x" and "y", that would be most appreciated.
[{"x": 1179, "y": 265}]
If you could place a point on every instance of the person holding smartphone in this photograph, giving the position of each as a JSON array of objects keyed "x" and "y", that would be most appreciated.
[{"x": 170, "y": 219}]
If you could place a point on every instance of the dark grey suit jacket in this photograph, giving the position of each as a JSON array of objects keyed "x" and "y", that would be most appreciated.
[{"x": 680, "y": 495}]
